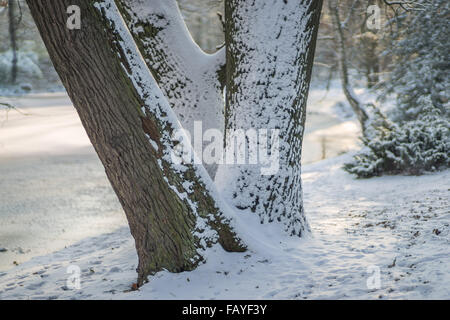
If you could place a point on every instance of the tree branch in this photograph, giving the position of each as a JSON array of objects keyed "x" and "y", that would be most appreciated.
[{"x": 191, "y": 80}]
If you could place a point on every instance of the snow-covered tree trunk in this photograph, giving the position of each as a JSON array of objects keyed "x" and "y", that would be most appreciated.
[
  {"x": 191, "y": 80},
  {"x": 270, "y": 53},
  {"x": 173, "y": 210}
]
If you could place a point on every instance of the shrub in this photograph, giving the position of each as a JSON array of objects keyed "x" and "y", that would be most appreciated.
[{"x": 410, "y": 147}]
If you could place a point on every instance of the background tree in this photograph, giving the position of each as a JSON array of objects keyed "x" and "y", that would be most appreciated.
[
  {"x": 172, "y": 211},
  {"x": 416, "y": 137}
]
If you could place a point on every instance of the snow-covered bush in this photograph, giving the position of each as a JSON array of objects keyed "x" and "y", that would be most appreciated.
[{"x": 410, "y": 147}]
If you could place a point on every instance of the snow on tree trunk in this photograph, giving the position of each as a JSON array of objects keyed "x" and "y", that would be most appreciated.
[
  {"x": 189, "y": 78},
  {"x": 173, "y": 211},
  {"x": 270, "y": 52}
]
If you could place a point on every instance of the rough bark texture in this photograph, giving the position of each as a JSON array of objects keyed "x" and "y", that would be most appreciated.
[
  {"x": 189, "y": 78},
  {"x": 352, "y": 99},
  {"x": 172, "y": 212},
  {"x": 270, "y": 53}
]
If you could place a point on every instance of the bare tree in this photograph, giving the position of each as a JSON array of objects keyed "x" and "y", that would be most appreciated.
[
  {"x": 357, "y": 106},
  {"x": 13, "y": 38}
]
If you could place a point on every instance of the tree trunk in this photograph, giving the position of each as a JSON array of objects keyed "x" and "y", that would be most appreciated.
[
  {"x": 270, "y": 53},
  {"x": 172, "y": 210},
  {"x": 13, "y": 38},
  {"x": 191, "y": 80},
  {"x": 352, "y": 99}
]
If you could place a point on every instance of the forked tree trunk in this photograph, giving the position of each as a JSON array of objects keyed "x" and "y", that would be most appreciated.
[
  {"x": 270, "y": 53},
  {"x": 371, "y": 56},
  {"x": 191, "y": 80},
  {"x": 172, "y": 210}
]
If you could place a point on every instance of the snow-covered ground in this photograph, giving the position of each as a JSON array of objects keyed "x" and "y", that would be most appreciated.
[
  {"x": 53, "y": 193},
  {"x": 397, "y": 225}
]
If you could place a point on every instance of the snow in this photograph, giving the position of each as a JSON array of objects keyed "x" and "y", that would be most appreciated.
[
  {"x": 53, "y": 188},
  {"x": 399, "y": 224},
  {"x": 422, "y": 47},
  {"x": 47, "y": 146},
  {"x": 412, "y": 146},
  {"x": 183, "y": 69},
  {"x": 268, "y": 93},
  {"x": 355, "y": 224},
  {"x": 158, "y": 107},
  {"x": 327, "y": 132}
]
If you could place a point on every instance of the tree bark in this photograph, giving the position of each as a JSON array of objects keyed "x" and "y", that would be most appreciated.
[
  {"x": 270, "y": 53},
  {"x": 172, "y": 210},
  {"x": 191, "y": 80}
]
